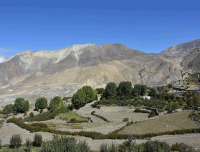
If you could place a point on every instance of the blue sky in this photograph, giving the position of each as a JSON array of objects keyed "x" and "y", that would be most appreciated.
[{"x": 148, "y": 26}]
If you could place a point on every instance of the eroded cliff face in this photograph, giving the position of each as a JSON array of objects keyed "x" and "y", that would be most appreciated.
[{"x": 88, "y": 64}]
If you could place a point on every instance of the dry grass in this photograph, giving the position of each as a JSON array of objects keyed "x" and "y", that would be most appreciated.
[
  {"x": 119, "y": 116},
  {"x": 163, "y": 123}
]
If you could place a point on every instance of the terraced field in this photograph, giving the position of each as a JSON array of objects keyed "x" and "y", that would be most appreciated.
[
  {"x": 119, "y": 116},
  {"x": 169, "y": 122}
]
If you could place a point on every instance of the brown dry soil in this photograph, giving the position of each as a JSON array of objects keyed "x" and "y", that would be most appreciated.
[{"x": 168, "y": 122}]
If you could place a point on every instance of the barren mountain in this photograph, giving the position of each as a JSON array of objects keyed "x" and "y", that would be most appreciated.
[
  {"x": 191, "y": 62},
  {"x": 32, "y": 74},
  {"x": 181, "y": 50}
]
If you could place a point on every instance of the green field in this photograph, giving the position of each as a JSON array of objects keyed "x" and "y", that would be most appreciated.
[{"x": 70, "y": 115}]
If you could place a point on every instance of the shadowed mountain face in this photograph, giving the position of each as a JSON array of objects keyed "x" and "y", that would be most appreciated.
[
  {"x": 89, "y": 64},
  {"x": 191, "y": 62}
]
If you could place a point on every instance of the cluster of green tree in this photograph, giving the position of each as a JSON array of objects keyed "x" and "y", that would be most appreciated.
[
  {"x": 192, "y": 100},
  {"x": 161, "y": 105},
  {"x": 83, "y": 96},
  {"x": 187, "y": 101},
  {"x": 124, "y": 90},
  {"x": 20, "y": 106}
]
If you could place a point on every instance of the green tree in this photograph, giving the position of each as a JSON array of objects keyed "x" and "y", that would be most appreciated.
[
  {"x": 89, "y": 94},
  {"x": 100, "y": 90},
  {"x": 110, "y": 90},
  {"x": 25, "y": 106},
  {"x": 124, "y": 88},
  {"x": 78, "y": 99},
  {"x": 56, "y": 103},
  {"x": 152, "y": 92},
  {"x": 8, "y": 109},
  {"x": 41, "y": 103},
  {"x": 18, "y": 105},
  {"x": 139, "y": 89}
]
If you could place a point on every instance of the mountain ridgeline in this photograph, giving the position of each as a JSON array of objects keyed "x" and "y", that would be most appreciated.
[{"x": 32, "y": 73}]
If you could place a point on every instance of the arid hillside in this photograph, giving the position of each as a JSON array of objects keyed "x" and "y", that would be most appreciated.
[{"x": 31, "y": 74}]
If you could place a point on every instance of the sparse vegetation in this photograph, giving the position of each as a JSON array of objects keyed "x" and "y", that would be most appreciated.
[
  {"x": 156, "y": 146},
  {"x": 108, "y": 148},
  {"x": 65, "y": 144},
  {"x": 15, "y": 141},
  {"x": 37, "y": 140},
  {"x": 182, "y": 147},
  {"x": 28, "y": 145}
]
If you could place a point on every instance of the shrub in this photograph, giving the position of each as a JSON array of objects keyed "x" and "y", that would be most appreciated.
[
  {"x": 125, "y": 119},
  {"x": 83, "y": 146},
  {"x": 31, "y": 114},
  {"x": 108, "y": 148},
  {"x": 28, "y": 145},
  {"x": 93, "y": 112},
  {"x": 73, "y": 119},
  {"x": 15, "y": 141},
  {"x": 156, "y": 146},
  {"x": 181, "y": 147},
  {"x": 37, "y": 140},
  {"x": 41, "y": 125},
  {"x": 141, "y": 111},
  {"x": 41, "y": 110},
  {"x": 65, "y": 144},
  {"x": 152, "y": 114}
]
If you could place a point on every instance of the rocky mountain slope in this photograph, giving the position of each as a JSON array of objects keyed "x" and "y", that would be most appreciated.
[
  {"x": 63, "y": 71},
  {"x": 191, "y": 62}
]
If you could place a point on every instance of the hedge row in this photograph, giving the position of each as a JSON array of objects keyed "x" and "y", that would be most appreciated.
[
  {"x": 101, "y": 117},
  {"x": 95, "y": 135}
]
